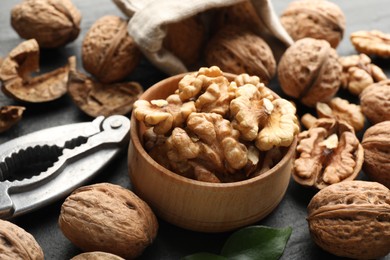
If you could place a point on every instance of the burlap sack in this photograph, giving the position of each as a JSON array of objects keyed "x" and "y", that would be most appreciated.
[{"x": 149, "y": 17}]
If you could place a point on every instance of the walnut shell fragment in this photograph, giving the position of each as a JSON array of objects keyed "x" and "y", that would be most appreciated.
[
  {"x": 327, "y": 153},
  {"x": 109, "y": 218},
  {"x": 108, "y": 51},
  {"x": 371, "y": 42},
  {"x": 17, "y": 83},
  {"x": 53, "y": 23},
  {"x": 17, "y": 243},
  {"x": 351, "y": 219},
  {"x": 309, "y": 71},
  {"x": 318, "y": 19},
  {"x": 375, "y": 101},
  {"x": 236, "y": 50},
  {"x": 376, "y": 144},
  {"x": 9, "y": 116},
  {"x": 99, "y": 99}
]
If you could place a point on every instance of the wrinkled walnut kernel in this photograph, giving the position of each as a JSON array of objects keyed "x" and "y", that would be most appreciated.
[
  {"x": 371, "y": 42},
  {"x": 9, "y": 116},
  {"x": 327, "y": 153}
]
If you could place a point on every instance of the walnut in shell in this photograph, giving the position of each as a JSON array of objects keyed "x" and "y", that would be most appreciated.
[
  {"x": 309, "y": 71},
  {"x": 9, "y": 116},
  {"x": 96, "y": 256},
  {"x": 99, "y": 99},
  {"x": 185, "y": 39},
  {"x": 351, "y": 219},
  {"x": 376, "y": 144},
  {"x": 108, "y": 51},
  {"x": 319, "y": 19},
  {"x": 109, "y": 218},
  {"x": 17, "y": 83},
  {"x": 327, "y": 153},
  {"x": 371, "y": 42},
  {"x": 236, "y": 50},
  {"x": 52, "y": 23},
  {"x": 375, "y": 101},
  {"x": 17, "y": 243}
]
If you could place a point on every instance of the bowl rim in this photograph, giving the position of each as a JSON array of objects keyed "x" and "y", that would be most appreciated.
[{"x": 136, "y": 140}]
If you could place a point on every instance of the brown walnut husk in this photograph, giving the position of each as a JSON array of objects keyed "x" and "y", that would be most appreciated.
[
  {"x": 17, "y": 243},
  {"x": 53, "y": 23},
  {"x": 375, "y": 101},
  {"x": 236, "y": 50},
  {"x": 351, "y": 219},
  {"x": 376, "y": 144},
  {"x": 108, "y": 51},
  {"x": 15, "y": 73},
  {"x": 99, "y": 99},
  {"x": 310, "y": 71},
  {"x": 319, "y": 19},
  {"x": 109, "y": 218}
]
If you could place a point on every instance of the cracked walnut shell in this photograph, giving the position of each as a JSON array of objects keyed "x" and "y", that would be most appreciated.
[
  {"x": 375, "y": 101},
  {"x": 18, "y": 84},
  {"x": 327, "y": 153},
  {"x": 351, "y": 219},
  {"x": 109, "y": 218},
  {"x": 52, "y": 23},
  {"x": 309, "y": 71},
  {"x": 108, "y": 51},
  {"x": 376, "y": 144},
  {"x": 17, "y": 243},
  {"x": 9, "y": 116},
  {"x": 318, "y": 19},
  {"x": 236, "y": 50}
]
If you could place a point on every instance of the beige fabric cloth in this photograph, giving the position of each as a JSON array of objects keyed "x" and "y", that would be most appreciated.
[{"x": 148, "y": 17}]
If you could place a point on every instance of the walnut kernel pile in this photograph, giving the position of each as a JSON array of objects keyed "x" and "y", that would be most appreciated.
[{"x": 216, "y": 130}]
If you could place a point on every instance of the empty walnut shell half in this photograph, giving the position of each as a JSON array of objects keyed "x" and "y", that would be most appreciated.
[
  {"x": 351, "y": 219},
  {"x": 319, "y": 19},
  {"x": 108, "y": 51},
  {"x": 17, "y": 243},
  {"x": 375, "y": 101},
  {"x": 327, "y": 153},
  {"x": 310, "y": 71},
  {"x": 376, "y": 144},
  {"x": 17, "y": 83},
  {"x": 238, "y": 51},
  {"x": 9, "y": 116},
  {"x": 53, "y": 23},
  {"x": 99, "y": 99}
]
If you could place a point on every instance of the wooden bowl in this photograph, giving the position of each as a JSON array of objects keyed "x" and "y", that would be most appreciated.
[{"x": 196, "y": 205}]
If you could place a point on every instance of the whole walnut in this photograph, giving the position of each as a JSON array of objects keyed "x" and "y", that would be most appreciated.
[
  {"x": 17, "y": 243},
  {"x": 319, "y": 19},
  {"x": 109, "y": 52},
  {"x": 236, "y": 50},
  {"x": 106, "y": 217},
  {"x": 376, "y": 144},
  {"x": 310, "y": 71},
  {"x": 185, "y": 39},
  {"x": 375, "y": 101},
  {"x": 52, "y": 23},
  {"x": 351, "y": 219}
]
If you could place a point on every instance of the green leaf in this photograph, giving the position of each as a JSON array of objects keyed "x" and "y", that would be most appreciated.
[
  {"x": 204, "y": 256},
  {"x": 256, "y": 242}
]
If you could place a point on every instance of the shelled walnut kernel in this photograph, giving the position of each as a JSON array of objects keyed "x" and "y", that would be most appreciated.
[{"x": 216, "y": 129}]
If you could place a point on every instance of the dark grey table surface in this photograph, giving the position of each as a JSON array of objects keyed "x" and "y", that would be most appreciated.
[{"x": 172, "y": 242}]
